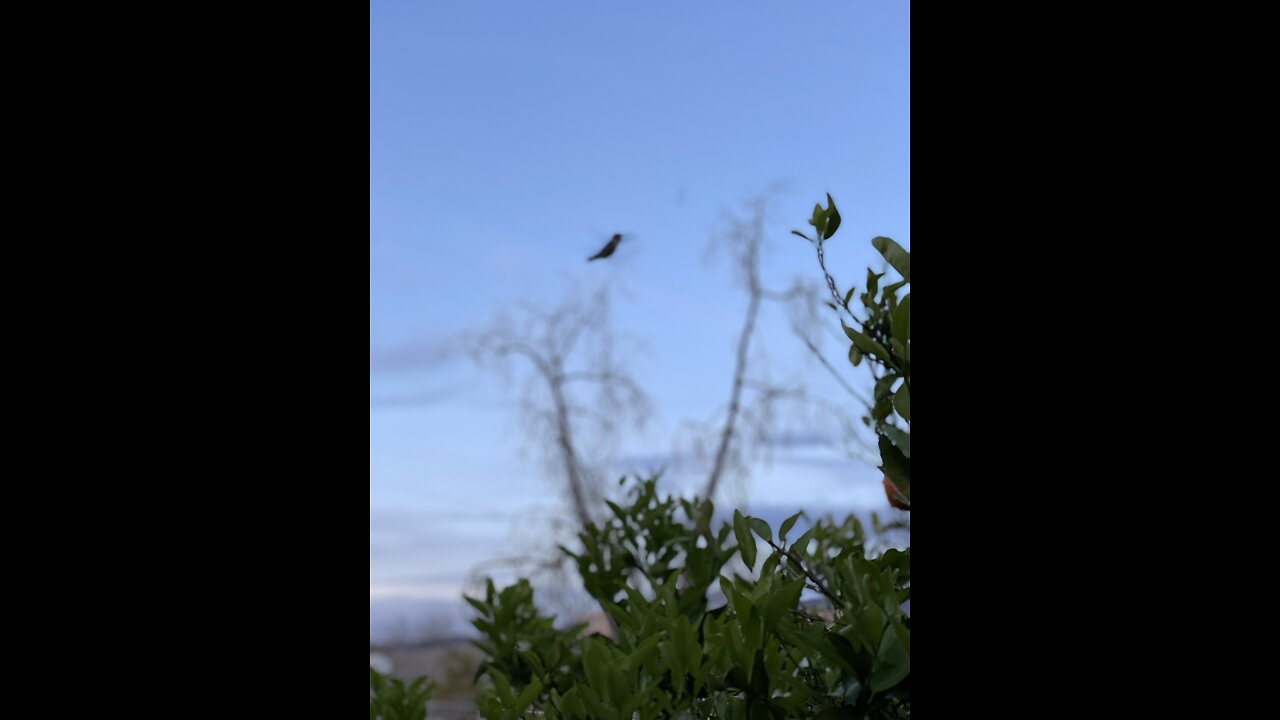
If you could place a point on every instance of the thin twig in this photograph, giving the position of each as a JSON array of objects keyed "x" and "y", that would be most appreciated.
[
  {"x": 839, "y": 378},
  {"x": 831, "y": 282},
  {"x": 807, "y": 573},
  {"x": 810, "y": 618}
]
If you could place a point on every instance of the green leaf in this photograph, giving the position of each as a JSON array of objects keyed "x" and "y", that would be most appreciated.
[
  {"x": 802, "y": 542},
  {"x": 818, "y": 220},
  {"x": 902, "y": 402},
  {"x": 847, "y": 296},
  {"x": 781, "y": 601},
  {"x": 866, "y": 344},
  {"x": 533, "y": 662},
  {"x": 833, "y": 217},
  {"x": 761, "y": 527},
  {"x": 873, "y": 284},
  {"x": 595, "y": 708},
  {"x": 477, "y": 605},
  {"x": 797, "y": 232},
  {"x": 593, "y": 662},
  {"x": 502, "y": 686},
  {"x": 901, "y": 321},
  {"x": 569, "y": 704},
  {"x": 896, "y": 466},
  {"x": 740, "y": 603},
  {"x": 900, "y": 259},
  {"x": 770, "y": 564},
  {"x": 891, "y": 291},
  {"x": 884, "y": 386},
  {"x": 746, "y": 543},
  {"x": 759, "y": 684},
  {"x": 526, "y": 698},
  {"x": 752, "y": 624},
  {"x": 643, "y": 653},
  {"x": 893, "y": 663},
  {"x": 820, "y": 643},
  {"x": 899, "y": 350},
  {"x": 787, "y": 525},
  {"x": 900, "y": 439},
  {"x": 855, "y": 355},
  {"x": 882, "y": 408}
]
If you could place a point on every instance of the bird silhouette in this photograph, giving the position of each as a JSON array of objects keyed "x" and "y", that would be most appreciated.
[{"x": 608, "y": 249}]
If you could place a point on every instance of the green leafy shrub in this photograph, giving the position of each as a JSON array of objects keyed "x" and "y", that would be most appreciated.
[
  {"x": 760, "y": 654},
  {"x": 391, "y": 699},
  {"x": 883, "y": 338}
]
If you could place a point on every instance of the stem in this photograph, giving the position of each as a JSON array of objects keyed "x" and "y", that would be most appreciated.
[
  {"x": 807, "y": 616},
  {"x": 831, "y": 282},
  {"x": 817, "y": 582}
]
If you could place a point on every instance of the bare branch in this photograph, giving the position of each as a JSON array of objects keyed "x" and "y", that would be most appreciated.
[
  {"x": 745, "y": 237},
  {"x": 569, "y": 345}
]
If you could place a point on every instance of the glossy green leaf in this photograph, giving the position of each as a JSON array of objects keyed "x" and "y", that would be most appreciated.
[
  {"x": 884, "y": 386},
  {"x": 900, "y": 351},
  {"x": 899, "y": 258},
  {"x": 818, "y": 220},
  {"x": 855, "y": 355},
  {"x": 534, "y": 663},
  {"x": 833, "y": 217},
  {"x": 873, "y": 285},
  {"x": 866, "y": 344},
  {"x": 902, "y": 321},
  {"x": 770, "y": 564},
  {"x": 901, "y": 439},
  {"x": 802, "y": 543},
  {"x": 787, "y": 525},
  {"x": 746, "y": 543},
  {"x": 902, "y": 402},
  {"x": 893, "y": 664},
  {"x": 761, "y": 527},
  {"x": 882, "y": 408},
  {"x": 526, "y": 698},
  {"x": 782, "y": 601},
  {"x": 896, "y": 465}
]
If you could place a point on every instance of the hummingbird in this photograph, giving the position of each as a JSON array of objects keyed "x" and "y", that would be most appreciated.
[{"x": 608, "y": 249}]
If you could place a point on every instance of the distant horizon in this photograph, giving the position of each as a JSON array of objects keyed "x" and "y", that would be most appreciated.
[{"x": 409, "y": 619}]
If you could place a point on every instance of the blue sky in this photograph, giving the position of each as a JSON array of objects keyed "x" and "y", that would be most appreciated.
[{"x": 509, "y": 140}]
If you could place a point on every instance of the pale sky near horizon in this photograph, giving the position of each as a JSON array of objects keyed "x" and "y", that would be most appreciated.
[{"x": 509, "y": 140}]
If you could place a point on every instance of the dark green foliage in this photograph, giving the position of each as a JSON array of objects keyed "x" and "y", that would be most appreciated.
[
  {"x": 391, "y": 699},
  {"x": 883, "y": 337},
  {"x": 751, "y": 651}
]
